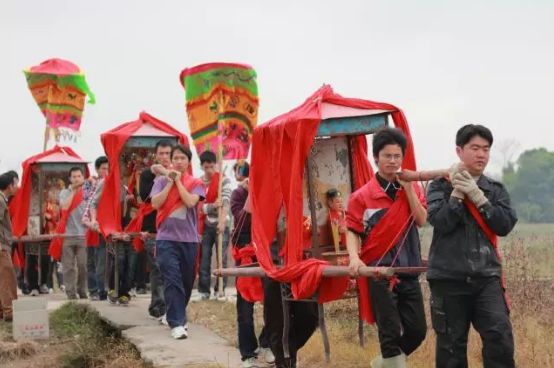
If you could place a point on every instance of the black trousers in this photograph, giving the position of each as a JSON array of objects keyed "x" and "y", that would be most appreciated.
[
  {"x": 480, "y": 302},
  {"x": 157, "y": 301},
  {"x": 399, "y": 315},
  {"x": 303, "y": 322},
  {"x": 127, "y": 258},
  {"x": 248, "y": 342},
  {"x": 140, "y": 271},
  {"x": 54, "y": 267},
  {"x": 33, "y": 278}
]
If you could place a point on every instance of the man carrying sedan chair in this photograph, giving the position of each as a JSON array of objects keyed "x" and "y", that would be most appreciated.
[
  {"x": 468, "y": 211},
  {"x": 382, "y": 220}
]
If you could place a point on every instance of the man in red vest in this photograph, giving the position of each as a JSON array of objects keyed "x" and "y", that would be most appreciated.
[
  {"x": 468, "y": 211},
  {"x": 397, "y": 304}
]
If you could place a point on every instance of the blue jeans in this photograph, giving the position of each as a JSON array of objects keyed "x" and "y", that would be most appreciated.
[
  {"x": 157, "y": 303},
  {"x": 176, "y": 261},
  {"x": 96, "y": 268},
  {"x": 209, "y": 239}
]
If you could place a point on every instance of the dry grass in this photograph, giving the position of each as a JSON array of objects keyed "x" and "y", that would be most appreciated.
[
  {"x": 529, "y": 260},
  {"x": 220, "y": 317},
  {"x": 79, "y": 338},
  {"x": 17, "y": 350}
]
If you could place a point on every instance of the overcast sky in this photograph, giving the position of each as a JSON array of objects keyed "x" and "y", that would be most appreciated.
[{"x": 445, "y": 63}]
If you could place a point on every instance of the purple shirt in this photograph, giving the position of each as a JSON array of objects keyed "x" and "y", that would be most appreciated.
[
  {"x": 182, "y": 224},
  {"x": 242, "y": 218}
]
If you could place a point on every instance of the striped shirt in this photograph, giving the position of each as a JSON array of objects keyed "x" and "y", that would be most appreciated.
[{"x": 210, "y": 209}]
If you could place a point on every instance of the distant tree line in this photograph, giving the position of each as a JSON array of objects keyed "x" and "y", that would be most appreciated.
[{"x": 530, "y": 182}]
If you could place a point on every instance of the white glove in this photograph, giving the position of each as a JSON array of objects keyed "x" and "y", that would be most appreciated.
[
  {"x": 452, "y": 172},
  {"x": 465, "y": 183}
]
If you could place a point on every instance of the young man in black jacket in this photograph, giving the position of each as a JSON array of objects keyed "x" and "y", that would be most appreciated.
[
  {"x": 157, "y": 306},
  {"x": 251, "y": 347},
  {"x": 468, "y": 211}
]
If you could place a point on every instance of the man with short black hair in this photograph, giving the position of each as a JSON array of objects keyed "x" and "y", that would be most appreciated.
[
  {"x": 242, "y": 170},
  {"x": 147, "y": 178},
  {"x": 8, "y": 283},
  {"x": 175, "y": 197},
  {"x": 250, "y": 346},
  {"x": 126, "y": 254},
  {"x": 20, "y": 273},
  {"x": 96, "y": 244},
  {"x": 468, "y": 211},
  {"x": 214, "y": 215},
  {"x": 375, "y": 239},
  {"x": 74, "y": 252}
]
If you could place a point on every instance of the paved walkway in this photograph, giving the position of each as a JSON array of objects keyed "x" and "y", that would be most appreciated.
[{"x": 202, "y": 348}]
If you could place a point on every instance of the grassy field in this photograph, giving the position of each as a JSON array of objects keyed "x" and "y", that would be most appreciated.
[
  {"x": 81, "y": 339},
  {"x": 529, "y": 261}
]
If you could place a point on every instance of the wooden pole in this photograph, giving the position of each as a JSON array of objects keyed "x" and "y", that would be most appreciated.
[
  {"x": 312, "y": 197},
  {"x": 409, "y": 175},
  {"x": 43, "y": 237},
  {"x": 220, "y": 292},
  {"x": 46, "y": 237},
  {"x": 46, "y": 138},
  {"x": 328, "y": 271}
]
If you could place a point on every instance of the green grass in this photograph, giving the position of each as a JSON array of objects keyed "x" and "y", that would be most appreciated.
[{"x": 92, "y": 342}]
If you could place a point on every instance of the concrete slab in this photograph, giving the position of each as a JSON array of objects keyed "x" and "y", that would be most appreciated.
[
  {"x": 153, "y": 340},
  {"x": 202, "y": 348}
]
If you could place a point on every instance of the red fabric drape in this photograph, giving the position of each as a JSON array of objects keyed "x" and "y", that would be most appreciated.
[
  {"x": 361, "y": 168},
  {"x": 211, "y": 197},
  {"x": 250, "y": 288},
  {"x": 19, "y": 205},
  {"x": 109, "y": 210},
  {"x": 55, "y": 248},
  {"x": 92, "y": 238},
  {"x": 19, "y": 256},
  {"x": 279, "y": 151},
  {"x": 385, "y": 235},
  {"x": 135, "y": 226}
]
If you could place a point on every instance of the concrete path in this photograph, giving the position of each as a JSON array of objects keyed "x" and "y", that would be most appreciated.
[{"x": 203, "y": 348}]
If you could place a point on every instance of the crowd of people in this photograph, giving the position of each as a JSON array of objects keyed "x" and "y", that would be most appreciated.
[{"x": 181, "y": 218}]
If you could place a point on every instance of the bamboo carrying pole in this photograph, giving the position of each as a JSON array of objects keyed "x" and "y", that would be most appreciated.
[
  {"x": 43, "y": 237},
  {"x": 46, "y": 137},
  {"x": 409, "y": 175},
  {"x": 220, "y": 292},
  {"x": 46, "y": 237},
  {"x": 328, "y": 271},
  {"x": 341, "y": 271}
]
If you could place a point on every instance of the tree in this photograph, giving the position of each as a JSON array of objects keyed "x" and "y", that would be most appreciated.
[{"x": 531, "y": 185}]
